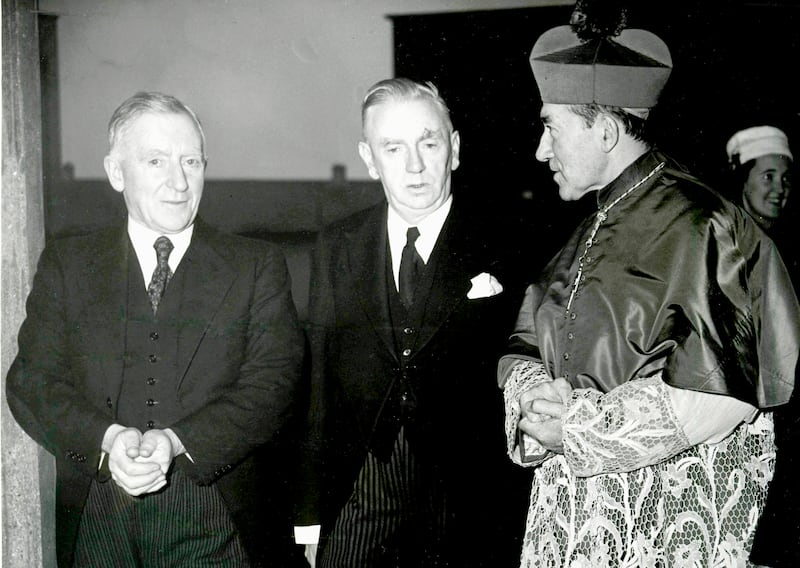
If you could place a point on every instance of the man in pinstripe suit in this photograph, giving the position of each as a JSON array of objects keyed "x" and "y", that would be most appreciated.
[
  {"x": 404, "y": 458},
  {"x": 158, "y": 394}
]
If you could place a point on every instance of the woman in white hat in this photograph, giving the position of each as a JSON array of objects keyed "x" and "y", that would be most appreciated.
[{"x": 762, "y": 165}]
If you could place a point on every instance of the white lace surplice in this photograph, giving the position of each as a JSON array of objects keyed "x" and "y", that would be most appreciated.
[{"x": 630, "y": 490}]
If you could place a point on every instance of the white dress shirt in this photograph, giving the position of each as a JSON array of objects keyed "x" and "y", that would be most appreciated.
[
  {"x": 429, "y": 229},
  {"x": 143, "y": 239}
]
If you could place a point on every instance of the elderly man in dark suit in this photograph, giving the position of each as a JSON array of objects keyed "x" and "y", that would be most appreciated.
[
  {"x": 157, "y": 359},
  {"x": 410, "y": 302}
]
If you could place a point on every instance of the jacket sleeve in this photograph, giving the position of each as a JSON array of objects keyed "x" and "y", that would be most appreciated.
[
  {"x": 42, "y": 386},
  {"x": 321, "y": 316}
]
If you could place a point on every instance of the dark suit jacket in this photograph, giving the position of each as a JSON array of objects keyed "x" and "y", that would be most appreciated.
[
  {"x": 239, "y": 358},
  {"x": 355, "y": 367}
]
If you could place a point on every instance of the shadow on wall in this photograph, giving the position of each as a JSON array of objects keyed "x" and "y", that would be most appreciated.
[{"x": 287, "y": 213}]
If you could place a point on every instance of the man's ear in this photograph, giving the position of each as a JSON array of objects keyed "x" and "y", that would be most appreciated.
[
  {"x": 366, "y": 154},
  {"x": 609, "y": 132},
  {"x": 114, "y": 172},
  {"x": 455, "y": 148}
]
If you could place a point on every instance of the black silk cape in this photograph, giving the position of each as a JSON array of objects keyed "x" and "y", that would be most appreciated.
[{"x": 679, "y": 280}]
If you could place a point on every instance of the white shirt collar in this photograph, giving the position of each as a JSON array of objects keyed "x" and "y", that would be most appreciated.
[
  {"x": 429, "y": 229},
  {"x": 143, "y": 238}
]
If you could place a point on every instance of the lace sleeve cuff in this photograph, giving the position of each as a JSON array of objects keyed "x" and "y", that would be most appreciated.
[
  {"x": 631, "y": 427},
  {"x": 522, "y": 449}
]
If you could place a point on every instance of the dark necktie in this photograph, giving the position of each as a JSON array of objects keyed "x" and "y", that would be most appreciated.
[
  {"x": 410, "y": 266},
  {"x": 162, "y": 273}
]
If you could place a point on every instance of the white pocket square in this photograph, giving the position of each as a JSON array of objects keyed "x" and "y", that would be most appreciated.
[{"x": 484, "y": 285}]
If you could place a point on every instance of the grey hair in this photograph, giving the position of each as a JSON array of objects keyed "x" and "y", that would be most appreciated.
[
  {"x": 145, "y": 102},
  {"x": 400, "y": 88},
  {"x": 633, "y": 124}
]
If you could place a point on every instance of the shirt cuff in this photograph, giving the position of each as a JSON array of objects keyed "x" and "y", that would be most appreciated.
[
  {"x": 307, "y": 535},
  {"x": 177, "y": 445}
]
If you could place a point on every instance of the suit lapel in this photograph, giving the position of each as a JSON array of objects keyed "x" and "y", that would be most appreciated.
[
  {"x": 206, "y": 281},
  {"x": 367, "y": 254},
  {"x": 450, "y": 282},
  {"x": 108, "y": 281}
]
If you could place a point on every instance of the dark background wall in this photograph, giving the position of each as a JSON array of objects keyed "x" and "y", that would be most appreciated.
[{"x": 734, "y": 66}]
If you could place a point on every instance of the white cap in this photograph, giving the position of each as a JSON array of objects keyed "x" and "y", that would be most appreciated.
[{"x": 752, "y": 143}]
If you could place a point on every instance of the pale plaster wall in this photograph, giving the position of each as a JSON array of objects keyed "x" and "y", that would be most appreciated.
[{"x": 277, "y": 83}]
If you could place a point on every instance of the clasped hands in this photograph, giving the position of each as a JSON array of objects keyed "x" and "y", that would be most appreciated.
[
  {"x": 541, "y": 408},
  {"x": 139, "y": 462}
]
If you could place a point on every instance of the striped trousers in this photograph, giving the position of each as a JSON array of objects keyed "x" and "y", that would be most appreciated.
[
  {"x": 395, "y": 517},
  {"x": 183, "y": 525}
]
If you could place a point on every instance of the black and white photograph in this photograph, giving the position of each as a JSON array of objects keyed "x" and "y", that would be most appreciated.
[{"x": 400, "y": 284}]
